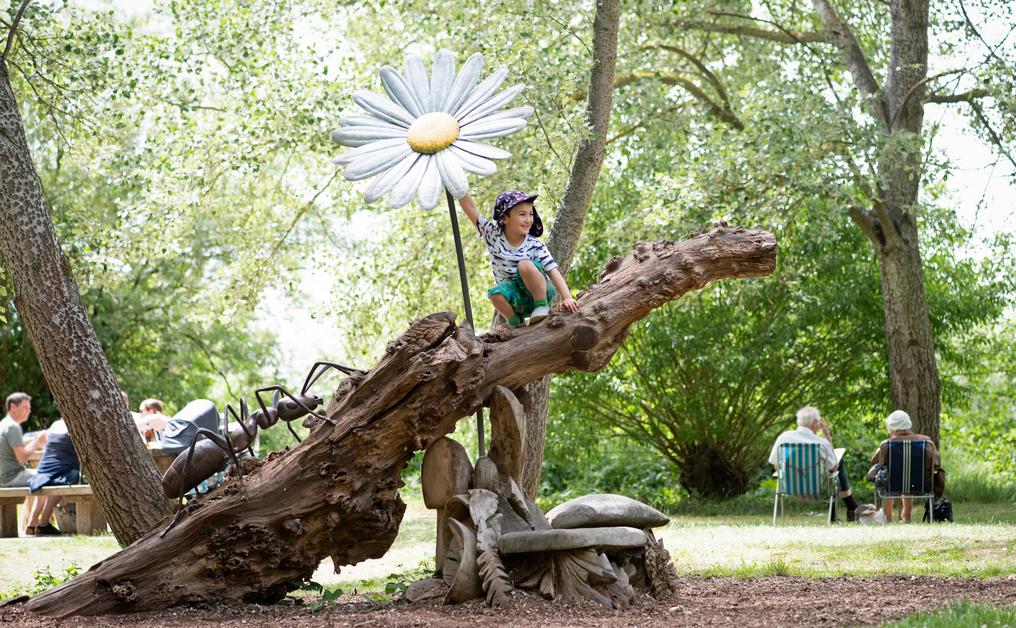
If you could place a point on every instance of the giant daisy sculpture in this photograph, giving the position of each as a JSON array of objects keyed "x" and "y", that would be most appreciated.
[{"x": 425, "y": 137}]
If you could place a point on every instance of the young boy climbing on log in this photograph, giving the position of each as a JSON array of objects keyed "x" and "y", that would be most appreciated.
[{"x": 522, "y": 264}]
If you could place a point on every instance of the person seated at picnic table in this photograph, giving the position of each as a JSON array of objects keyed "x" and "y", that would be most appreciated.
[
  {"x": 14, "y": 453},
  {"x": 59, "y": 466},
  {"x": 899, "y": 425},
  {"x": 151, "y": 422},
  {"x": 809, "y": 423}
]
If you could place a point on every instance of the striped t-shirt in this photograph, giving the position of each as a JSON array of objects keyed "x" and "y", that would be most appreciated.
[{"x": 505, "y": 258}]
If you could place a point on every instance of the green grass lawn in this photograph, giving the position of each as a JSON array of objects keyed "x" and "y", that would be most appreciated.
[
  {"x": 960, "y": 614},
  {"x": 981, "y": 544}
]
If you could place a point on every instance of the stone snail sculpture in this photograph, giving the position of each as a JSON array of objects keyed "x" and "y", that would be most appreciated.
[{"x": 208, "y": 451}]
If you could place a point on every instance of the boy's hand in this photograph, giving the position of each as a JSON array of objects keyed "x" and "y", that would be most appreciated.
[{"x": 571, "y": 305}]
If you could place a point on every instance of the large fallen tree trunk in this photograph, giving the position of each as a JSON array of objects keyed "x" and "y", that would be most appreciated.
[{"x": 336, "y": 494}]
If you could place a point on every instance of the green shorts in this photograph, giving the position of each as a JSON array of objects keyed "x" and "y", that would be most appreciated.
[{"x": 514, "y": 290}]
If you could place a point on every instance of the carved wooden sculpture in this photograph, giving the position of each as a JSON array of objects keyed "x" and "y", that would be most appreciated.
[{"x": 336, "y": 493}]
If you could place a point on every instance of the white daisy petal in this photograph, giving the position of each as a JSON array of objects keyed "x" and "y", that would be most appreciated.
[
  {"x": 483, "y": 150},
  {"x": 485, "y": 130},
  {"x": 404, "y": 190},
  {"x": 375, "y": 163},
  {"x": 474, "y": 163},
  {"x": 515, "y": 112},
  {"x": 399, "y": 91},
  {"x": 464, "y": 82},
  {"x": 365, "y": 120},
  {"x": 416, "y": 74},
  {"x": 491, "y": 105},
  {"x": 360, "y": 135},
  {"x": 385, "y": 182},
  {"x": 441, "y": 78},
  {"x": 382, "y": 108},
  {"x": 482, "y": 91},
  {"x": 366, "y": 149},
  {"x": 452, "y": 174},
  {"x": 431, "y": 186}
]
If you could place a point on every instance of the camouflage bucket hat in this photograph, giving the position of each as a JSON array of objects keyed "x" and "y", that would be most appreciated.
[{"x": 506, "y": 200}]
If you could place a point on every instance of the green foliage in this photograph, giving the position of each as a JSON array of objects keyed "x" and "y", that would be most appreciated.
[
  {"x": 45, "y": 580},
  {"x": 186, "y": 165},
  {"x": 327, "y": 596},
  {"x": 972, "y": 477},
  {"x": 391, "y": 587},
  {"x": 962, "y": 613},
  {"x": 709, "y": 381},
  {"x": 42, "y": 580},
  {"x": 614, "y": 465},
  {"x": 178, "y": 176},
  {"x": 397, "y": 583}
]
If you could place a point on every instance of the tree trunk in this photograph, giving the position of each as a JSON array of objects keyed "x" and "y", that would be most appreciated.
[
  {"x": 336, "y": 493},
  {"x": 571, "y": 215},
  {"x": 914, "y": 380},
  {"x": 46, "y": 296},
  {"x": 891, "y": 223}
]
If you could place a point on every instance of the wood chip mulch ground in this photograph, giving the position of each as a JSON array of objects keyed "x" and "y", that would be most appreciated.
[{"x": 774, "y": 601}]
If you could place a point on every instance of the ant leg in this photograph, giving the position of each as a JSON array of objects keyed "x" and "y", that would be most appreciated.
[
  {"x": 270, "y": 419},
  {"x": 245, "y": 416},
  {"x": 327, "y": 365},
  {"x": 293, "y": 432},
  {"x": 242, "y": 421}
]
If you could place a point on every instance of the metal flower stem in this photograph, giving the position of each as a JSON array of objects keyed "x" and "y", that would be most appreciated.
[{"x": 464, "y": 282}]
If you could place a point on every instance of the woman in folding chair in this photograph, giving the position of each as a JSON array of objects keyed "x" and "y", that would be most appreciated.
[
  {"x": 908, "y": 474},
  {"x": 809, "y": 423}
]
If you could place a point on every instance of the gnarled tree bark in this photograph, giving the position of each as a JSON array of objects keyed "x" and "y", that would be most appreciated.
[{"x": 336, "y": 493}]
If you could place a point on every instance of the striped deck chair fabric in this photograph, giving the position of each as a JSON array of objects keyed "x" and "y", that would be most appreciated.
[
  {"x": 803, "y": 473},
  {"x": 907, "y": 468},
  {"x": 803, "y": 470}
]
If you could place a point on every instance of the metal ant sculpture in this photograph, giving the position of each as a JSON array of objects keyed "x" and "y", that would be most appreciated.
[{"x": 205, "y": 457}]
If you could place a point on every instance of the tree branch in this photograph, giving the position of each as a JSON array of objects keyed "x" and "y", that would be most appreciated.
[
  {"x": 13, "y": 29},
  {"x": 995, "y": 139},
  {"x": 913, "y": 90},
  {"x": 782, "y": 37},
  {"x": 701, "y": 67},
  {"x": 866, "y": 220},
  {"x": 854, "y": 59},
  {"x": 970, "y": 24},
  {"x": 967, "y": 96},
  {"x": 723, "y": 113}
]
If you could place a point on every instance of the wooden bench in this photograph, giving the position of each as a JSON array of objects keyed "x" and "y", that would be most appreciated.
[{"x": 88, "y": 519}]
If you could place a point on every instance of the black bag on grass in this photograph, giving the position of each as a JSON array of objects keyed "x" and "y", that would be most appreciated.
[{"x": 940, "y": 512}]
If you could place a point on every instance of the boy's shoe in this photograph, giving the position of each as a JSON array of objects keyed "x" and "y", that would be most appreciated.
[{"x": 539, "y": 314}]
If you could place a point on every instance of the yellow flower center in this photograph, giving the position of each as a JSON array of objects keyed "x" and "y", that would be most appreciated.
[{"x": 433, "y": 132}]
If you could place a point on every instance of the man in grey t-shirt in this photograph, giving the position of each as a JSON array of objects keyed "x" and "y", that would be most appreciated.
[{"x": 14, "y": 453}]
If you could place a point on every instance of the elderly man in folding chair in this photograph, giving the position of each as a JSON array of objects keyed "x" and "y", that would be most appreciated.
[
  {"x": 798, "y": 447},
  {"x": 911, "y": 460}
]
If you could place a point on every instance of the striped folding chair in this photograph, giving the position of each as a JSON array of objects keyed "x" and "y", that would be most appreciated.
[
  {"x": 909, "y": 476},
  {"x": 803, "y": 473}
]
